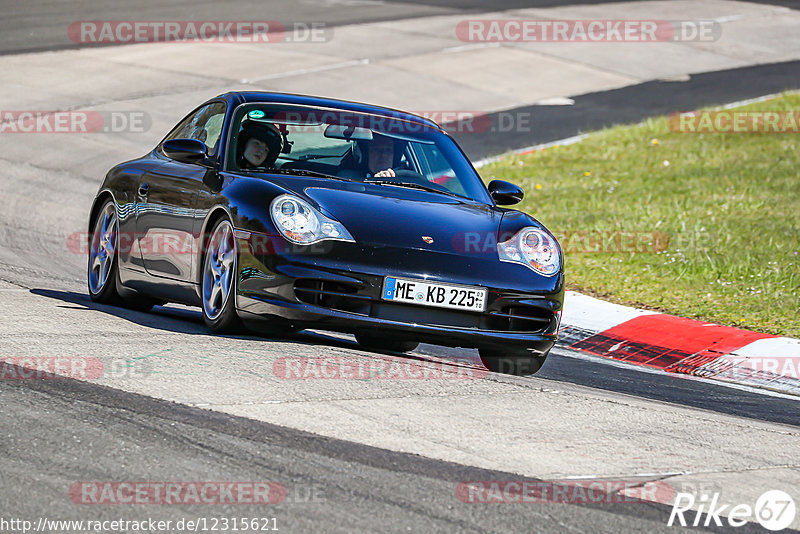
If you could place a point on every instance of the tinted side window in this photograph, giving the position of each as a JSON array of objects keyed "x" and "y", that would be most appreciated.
[
  {"x": 433, "y": 159},
  {"x": 204, "y": 125}
]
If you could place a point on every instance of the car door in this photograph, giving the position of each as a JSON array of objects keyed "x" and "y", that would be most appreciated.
[{"x": 167, "y": 198}]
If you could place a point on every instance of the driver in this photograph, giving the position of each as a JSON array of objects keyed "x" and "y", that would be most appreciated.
[
  {"x": 258, "y": 146},
  {"x": 376, "y": 158},
  {"x": 380, "y": 157}
]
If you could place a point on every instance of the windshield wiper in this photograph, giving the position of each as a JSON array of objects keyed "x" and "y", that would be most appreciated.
[
  {"x": 306, "y": 172},
  {"x": 413, "y": 185}
]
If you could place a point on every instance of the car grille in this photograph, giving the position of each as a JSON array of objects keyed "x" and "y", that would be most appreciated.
[
  {"x": 346, "y": 297},
  {"x": 521, "y": 319},
  {"x": 333, "y": 295}
]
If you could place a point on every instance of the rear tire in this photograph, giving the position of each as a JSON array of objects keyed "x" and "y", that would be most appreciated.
[
  {"x": 103, "y": 263},
  {"x": 220, "y": 261},
  {"x": 101, "y": 274},
  {"x": 373, "y": 342},
  {"x": 512, "y": 362}
]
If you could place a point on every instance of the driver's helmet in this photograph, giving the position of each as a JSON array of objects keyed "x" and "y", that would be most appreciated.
[{"x": 264, "y": 132}]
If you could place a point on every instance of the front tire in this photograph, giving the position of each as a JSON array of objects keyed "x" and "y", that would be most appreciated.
[
  {"x": 518, "y": 362},
  {"x": 219, "y": 280},
  {"x": 381, "y": 343}
]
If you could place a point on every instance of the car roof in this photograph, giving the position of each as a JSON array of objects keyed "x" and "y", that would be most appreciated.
[{"x": 245, "y": 97}]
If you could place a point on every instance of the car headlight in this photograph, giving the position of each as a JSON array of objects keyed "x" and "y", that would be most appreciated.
[
  {"x": 300, "y": 223},
  {"x": 533, "y": 248}
]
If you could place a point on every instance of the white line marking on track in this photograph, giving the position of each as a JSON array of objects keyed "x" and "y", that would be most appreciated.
[
  {"x": 310, "y": 70},
  {"x": 555, "y": 101},
  {"x": 563, "y": 142},
  {"x": 466, "y": 47},
  {"x": 632, "y": 475}
]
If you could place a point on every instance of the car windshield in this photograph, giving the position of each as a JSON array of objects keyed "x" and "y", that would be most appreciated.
[{"x": 303, "y": 140}]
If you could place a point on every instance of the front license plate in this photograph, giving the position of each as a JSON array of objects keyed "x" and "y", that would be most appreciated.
[{"x": 435, "y": 294}]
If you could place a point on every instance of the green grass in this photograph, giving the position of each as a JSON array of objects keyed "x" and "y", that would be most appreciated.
[{"x": 728, "y": 203}]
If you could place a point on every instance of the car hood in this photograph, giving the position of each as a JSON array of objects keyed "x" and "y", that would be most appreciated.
[{"x": 397, "y": 217}]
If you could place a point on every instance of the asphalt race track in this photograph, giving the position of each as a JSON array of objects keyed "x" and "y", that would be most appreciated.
[
  {"x": 353, "y": 455},
  {"x": 332, "y": 485}
]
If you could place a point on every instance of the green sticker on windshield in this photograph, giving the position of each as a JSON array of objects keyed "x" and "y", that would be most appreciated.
[{"x": 256, "y": 114}]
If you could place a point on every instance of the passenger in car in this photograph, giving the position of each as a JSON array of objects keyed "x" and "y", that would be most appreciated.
[{"x": 258, "y": 145}]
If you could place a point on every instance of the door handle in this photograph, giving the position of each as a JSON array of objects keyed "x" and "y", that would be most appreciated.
[{"x": 143, "y": 190}]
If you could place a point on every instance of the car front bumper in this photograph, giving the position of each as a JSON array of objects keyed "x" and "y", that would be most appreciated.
[{"x": 339, "y": 288}]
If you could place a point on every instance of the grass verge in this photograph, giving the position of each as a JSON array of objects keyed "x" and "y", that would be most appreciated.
[{"x": 705, "y": 226}]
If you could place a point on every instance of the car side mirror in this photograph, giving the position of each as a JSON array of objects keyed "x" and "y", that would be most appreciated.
[
  {"x": 185, "y": 150},
  {"x": 505, "y": 193}
]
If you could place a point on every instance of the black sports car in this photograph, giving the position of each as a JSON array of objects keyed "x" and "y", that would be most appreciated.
[{"x": 282, "y": 212}]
